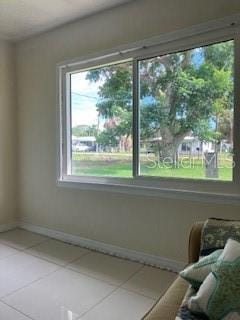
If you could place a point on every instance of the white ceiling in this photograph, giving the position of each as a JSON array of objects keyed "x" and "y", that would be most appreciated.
[{"x": 20, "y": 19}]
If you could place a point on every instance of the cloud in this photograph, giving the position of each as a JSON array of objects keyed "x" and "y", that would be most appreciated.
[{"x": 84, "y": 100}]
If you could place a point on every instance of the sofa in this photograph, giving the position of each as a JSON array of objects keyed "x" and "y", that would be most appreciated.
[{"x": 167, "y": 306}]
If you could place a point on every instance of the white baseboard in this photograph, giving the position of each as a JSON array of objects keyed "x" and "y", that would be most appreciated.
[
  {"x": 148, "y": 259},
  {"x": 8, "y": 226},
  {"x": 133, "y": 255}
]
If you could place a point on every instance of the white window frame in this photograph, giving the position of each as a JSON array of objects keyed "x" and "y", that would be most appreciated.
[{"x": 183, "y": 188}]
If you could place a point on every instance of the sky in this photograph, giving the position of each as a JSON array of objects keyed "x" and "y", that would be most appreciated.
[{"x": 84, "y": 99}]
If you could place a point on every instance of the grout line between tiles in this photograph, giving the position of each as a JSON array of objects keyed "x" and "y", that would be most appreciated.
[
  {"x": 30, "y": 283},
  {"x": 23, "y": 249},
  {"x": 35, "y": 245},
  {"x": 145, "y": 295},
  {"x": 17, "y": 310},
  {"x": 129, "y": 290},
  {"x": 107, "y": 296},
  {"x": 68, "y": 267},
  {"x": 58, "y": 264}
]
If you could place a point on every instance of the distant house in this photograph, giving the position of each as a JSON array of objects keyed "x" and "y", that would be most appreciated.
[
  {"x": 190, "y": 146},
  {"x": 89, "y": 141},
  {"x": 193, "y": 146},
  {"x": 83, "y": 144},
  {"x": 125, "y": 144}
]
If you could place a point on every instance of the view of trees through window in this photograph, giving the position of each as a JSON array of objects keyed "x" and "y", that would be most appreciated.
[
  {"x": 102, "y": 121},
  {"x": 186, "y": 116}
]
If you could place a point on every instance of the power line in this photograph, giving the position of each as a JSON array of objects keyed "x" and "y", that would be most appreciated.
[
  {"x": 85, "y": 95},
  {"x": 101, "y": 99}
]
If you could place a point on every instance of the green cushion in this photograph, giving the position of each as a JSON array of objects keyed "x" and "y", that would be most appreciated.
[
  {"x": 196, "y": 273},
  {"x": 216, "y": 232},
  {"x": 219, "y": 295}
]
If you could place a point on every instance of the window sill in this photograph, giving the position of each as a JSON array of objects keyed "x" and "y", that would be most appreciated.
[{"x": 180, "y": 189}]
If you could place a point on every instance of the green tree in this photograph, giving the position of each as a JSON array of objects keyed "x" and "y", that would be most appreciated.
[
  {"x": 115, "y": 104},
  {"x": 83, "y": 130},
  {"x": 108, "y": 139},
  {"x": 190, "y": 92}
]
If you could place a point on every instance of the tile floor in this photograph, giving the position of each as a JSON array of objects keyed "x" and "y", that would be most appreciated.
[{"x": 45, "y": 279}]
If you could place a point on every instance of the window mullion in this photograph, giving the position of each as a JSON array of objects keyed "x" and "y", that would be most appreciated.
[
  {"x": 63, "y": 133},
  {"x": 236, "y": 129},
  {"x": 68, "y": 126},
  {"x": 136, "y": 131}
]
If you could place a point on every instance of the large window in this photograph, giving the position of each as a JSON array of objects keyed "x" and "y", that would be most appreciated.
[
  {"x": 186, "y": 113},
  {"x": 101, "y": 121},
  {"x": 152, "y": 119}
]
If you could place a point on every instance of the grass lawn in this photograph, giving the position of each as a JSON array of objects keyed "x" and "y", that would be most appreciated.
[{"x": 120, "y": 165}]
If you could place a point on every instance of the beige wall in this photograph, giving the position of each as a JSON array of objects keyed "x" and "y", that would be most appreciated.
[
  {"x": 8, "y": 134},
  {"x": 152, "y": 225}
]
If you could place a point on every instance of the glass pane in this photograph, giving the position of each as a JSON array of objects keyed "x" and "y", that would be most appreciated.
[
  {"x": 186, "y": 113},
  {"x": 101, "y": 121}
]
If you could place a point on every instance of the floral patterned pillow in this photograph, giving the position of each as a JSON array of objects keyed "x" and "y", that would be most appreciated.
[{"x": 216, "y": 232}]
